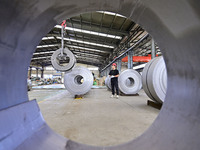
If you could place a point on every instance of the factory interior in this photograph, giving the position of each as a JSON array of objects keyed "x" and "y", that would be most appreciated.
[{"x": 99, "y": 75}]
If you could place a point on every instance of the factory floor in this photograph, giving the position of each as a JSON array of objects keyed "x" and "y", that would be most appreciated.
[{"x": 96, "y": 119}]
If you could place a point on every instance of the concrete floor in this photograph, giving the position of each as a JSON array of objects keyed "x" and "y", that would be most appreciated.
[{"x": 96, "y": 119}]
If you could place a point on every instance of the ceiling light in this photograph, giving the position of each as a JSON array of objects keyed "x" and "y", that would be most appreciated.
[
  {"x": 48, "y": 38},
  {"x": 90, "y": 49},
  {"x": 90, "y": 32},
  {"x": 43, "y": 46},
  {"x": 111, "y": 13},
  {"x": 84, "y": 42},
  {"x": 41, "y": 57}
]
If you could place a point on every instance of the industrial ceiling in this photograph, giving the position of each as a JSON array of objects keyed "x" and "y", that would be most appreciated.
[{"x": 95, "y": 38}]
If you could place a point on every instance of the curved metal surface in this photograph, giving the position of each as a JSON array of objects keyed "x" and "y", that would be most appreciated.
[
  {"x": 157, "y": 79},
  {"x": 174, "y": 25},
  {"x": 130, "y": 81},
  {"x": 79, "y": 81},
  {"x": 64, "y": 68},
  {"x": 154, "y": 79},
  {"x": 108, "y": 82},
  {"x": 144, "y": 79}
]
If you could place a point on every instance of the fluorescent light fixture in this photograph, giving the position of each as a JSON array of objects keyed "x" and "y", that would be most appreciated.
[
  {"x": 85, "y": 54},
  {"x": 90, "y": 49},
  {"x": 111, "y": 13},
  {"x": 139, "y": 66},
  {"x": 43, "y": 46},
  {"x": 40, "y": 57},
  {"x": 88, "y": 43},
  {"x": 43, "y": 52},
  {"x": 78, "y": 47},
  {"x": 90, "y": 32},
  {"x": 48, "y": 38}
]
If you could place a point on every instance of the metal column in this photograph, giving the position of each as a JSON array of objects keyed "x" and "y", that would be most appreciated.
[
  {"x": 37, "y": 72},
  {"x": 119, "y": 64},
  {"x": 130, "y": 60},
  {"x": 108, "y": 70},
  {"x": 42, "y": 72},
  {"x": 30, "y": 71},
  {"x": 153, "y": 49}
]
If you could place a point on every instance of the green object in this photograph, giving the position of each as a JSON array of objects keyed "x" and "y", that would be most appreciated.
[{"x": 95, "y": 83}]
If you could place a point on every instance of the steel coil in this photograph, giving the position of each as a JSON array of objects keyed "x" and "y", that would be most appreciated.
[
  {"x": 108, "y": 82},
  {"x": 78, "y": 81},
  {"x": 130, "y": 81},
  {"x": 154, "y": 79},
  {"x": 63, "y": 68}
]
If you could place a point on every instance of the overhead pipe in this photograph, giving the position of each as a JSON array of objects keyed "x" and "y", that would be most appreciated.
[{"x": 138, "y": 58}]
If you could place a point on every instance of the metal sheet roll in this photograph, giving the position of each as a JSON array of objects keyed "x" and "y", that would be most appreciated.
[
  {"x": 130, "y": 81},
  {"x": 154, "y": 79},
  {"x": 63, "y": 68},
  {"x": 79, "y": 81},
  {"x": 144, "y": 79},
  {"x": 108, "y": 82}
]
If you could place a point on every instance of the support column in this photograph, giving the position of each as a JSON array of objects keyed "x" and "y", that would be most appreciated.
[
  {"x": 30, "y": 71},
  {"x": 153, "y": 49},
  {"x": 42, "y": 72},
  {"x": 37, "y": 72},
  {"x": 108, "y": 71},
  {"x": 130, "y": 60},
  {"x": 119, "y": 64}
]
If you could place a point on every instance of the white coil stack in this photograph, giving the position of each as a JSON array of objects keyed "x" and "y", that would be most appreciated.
[
  {"x": 79, "y": 81},
  {"x": 154, "y": 79},
  {"x": 130, "y": 82}
]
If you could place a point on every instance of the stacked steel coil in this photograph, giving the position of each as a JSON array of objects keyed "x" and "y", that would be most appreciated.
[
  {"x": 130, "y": 81},
  {"x": 78, "y": 81},
  {"x": 154, "y": 79}
]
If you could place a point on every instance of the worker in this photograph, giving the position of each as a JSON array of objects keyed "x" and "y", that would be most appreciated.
[{"x": 114, "y": 74}]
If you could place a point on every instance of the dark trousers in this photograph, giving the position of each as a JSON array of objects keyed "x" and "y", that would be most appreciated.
[{"x": 114, "y": 85}]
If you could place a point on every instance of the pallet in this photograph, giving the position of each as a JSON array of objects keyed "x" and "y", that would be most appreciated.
[
  {"x": 122, "y": 94},
  {"x": 154, "y": 104},
  {"x": 78, "y": 96}
]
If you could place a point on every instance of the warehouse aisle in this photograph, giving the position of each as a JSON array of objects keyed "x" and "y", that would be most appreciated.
[{"x": 111, "y": 121}]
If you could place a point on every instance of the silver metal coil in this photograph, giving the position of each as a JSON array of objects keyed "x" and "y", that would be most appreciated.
[
  {"x": 154, "y": 79},
  {"x": 130, "y": 81},
  {"x": 78, "y": 81},
  {"x": 63, "y": 68}
]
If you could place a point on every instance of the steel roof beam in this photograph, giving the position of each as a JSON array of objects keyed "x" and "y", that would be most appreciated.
[{"x": 86, "y": 23}]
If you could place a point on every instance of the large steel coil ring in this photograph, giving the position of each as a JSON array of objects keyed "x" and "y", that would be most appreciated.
[
  {"x": 154, "y": 79},
  {"x": 79, "y": 81},
  {"x": 108, "y": 82},
  {"x": 64, "y": 68},
  {"x": 175, "y": 26},
  {"x": 130, "y": 81}
]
